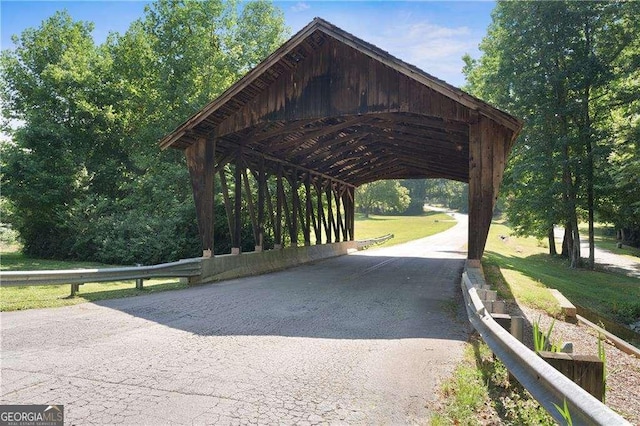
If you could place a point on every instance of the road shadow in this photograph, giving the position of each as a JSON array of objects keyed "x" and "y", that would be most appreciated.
[{"x": 349, "y": 297}]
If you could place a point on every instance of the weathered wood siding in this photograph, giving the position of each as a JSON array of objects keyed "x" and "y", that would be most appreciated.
[{"x": 340, "y": 80}]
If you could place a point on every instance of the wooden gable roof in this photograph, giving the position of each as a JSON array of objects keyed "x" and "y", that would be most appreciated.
[{"x": 333, "y": 104}]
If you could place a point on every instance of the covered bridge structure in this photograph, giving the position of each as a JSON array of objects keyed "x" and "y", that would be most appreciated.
[{"x": 323, "y": 114}]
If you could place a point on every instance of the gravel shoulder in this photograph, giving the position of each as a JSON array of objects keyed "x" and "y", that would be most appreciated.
[{"x": 623, "y": 378}]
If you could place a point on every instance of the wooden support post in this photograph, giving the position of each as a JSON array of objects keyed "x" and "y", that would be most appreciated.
[
  {"x": 237, "y": 213},
  {"x": 287, "y": 215},
  {"x": 200, "y": 161},
  {"x": 352, "y": 211},
  {"x": 249, "y": 197},
  {"x": 227, "y": 201},
  {"x": 270, "y": 209},
  {"x": 517, "y": 327},
  {"x": 474, "y": 250},
  {"x": 345, "y": 206},
  {"x": 336, "y": 195},
  {"x": 330, "y": 222},
  {"x": 308, "y": 207},
  {"x": 262, "y": 188},
  {"x": 277, "y": 226},
  {"x": 488, "y": 149},
  {"x": 75, "y": 289},
  {"x": 320, "y": 212},
  {"x": 295, "y": 201}
]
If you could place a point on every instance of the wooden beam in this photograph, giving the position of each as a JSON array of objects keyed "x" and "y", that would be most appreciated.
[
  {"x": 339, "y": 230},
  {"x": 428, "y": 122},
  {"x": 351, "y": 194},
  {"x": 323, "y": 131},
  {"x": 302, "y": 168},
  {"x": 308, "y": 208},
  {"x": 200, "y": 161},
  {"x": 236, "y": 247},
  {"x": 398, "y": 130},
  {"x": 262, "y": 187},
  {"x": 272, "y": 212},
  {"x": 329, "y": 143},
  {"x": 345, "y": 204},
  {"x": 277, "y": 230},
  {"x": 490, "y": 152},
  {"x": 295, "y": 202},
  {"x": 290, "y": 127},
  {"x": 330, "y": 222},
  {"x": 252, "y": 211},
  {"x": 227, "y": 201},
  {"x": 317, "y": 224}
]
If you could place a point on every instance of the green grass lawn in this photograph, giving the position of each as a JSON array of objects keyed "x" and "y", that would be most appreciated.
[
  {"x": 403, "y": 228},
  {"x": 48, "y": 296},
  {"x": 521, "y": 268}
]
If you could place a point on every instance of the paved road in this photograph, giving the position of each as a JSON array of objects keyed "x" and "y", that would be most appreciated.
[
  {"x": 360, "y": 339},
  {"x": 604, "y": 258}
]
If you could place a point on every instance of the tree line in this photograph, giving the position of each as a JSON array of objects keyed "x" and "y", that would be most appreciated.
[
  {"x": 409, "y": 196},
  {"x": 82, "y": 177},
  {"x": 571, "y": 70}
]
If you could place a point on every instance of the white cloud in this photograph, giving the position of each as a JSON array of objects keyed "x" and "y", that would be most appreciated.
[
  {"x": 300, "y": 6},
  {"x": 436, "y": 49}
]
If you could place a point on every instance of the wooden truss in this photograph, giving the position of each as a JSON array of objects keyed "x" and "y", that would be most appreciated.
[{"x": 324, "y": 114}]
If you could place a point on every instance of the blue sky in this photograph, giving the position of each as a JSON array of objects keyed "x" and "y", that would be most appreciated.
[{"x": 433, "y": 35}]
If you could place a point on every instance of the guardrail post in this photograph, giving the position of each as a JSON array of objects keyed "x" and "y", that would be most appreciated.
[
  {"x": 139, "y": 281},
  {"x": 517, "y": 327},
  {"x": 75, "y": 288}
]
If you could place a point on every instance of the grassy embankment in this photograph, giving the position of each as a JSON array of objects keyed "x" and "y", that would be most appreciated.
[
  {"x": 479, "y": 393},
  {"x": 521, "y": 269},
  {"x": 404, "y": 228},
  {"x": 48, "y": 296}
]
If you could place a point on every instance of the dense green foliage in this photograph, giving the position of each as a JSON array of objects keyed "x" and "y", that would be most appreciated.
[
  {"x": 383, "y": 196},
  {"x": 571, "y": 71},
  {"x": 450, "y": 193},
  {"x": 83, "y": 175},
  {"x": 409, "y": 196}
]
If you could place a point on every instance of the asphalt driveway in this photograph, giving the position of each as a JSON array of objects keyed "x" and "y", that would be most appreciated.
[{"x": 360, "y": 339}]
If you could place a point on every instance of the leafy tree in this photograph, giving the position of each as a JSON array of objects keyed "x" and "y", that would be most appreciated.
[
  {"x": 450, "y": 193},
  {"x": 556, "y": 65},
  {"x": 42, "y": 85},
  {"x": 84, "y": 175},
  {"x": 383, "y": 196},
  {"x": 417, "y": 194}
]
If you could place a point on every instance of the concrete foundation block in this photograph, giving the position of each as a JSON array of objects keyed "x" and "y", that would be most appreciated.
[
  {"x": 499, "y": 307},
  {"x": 231, "y": 266}
]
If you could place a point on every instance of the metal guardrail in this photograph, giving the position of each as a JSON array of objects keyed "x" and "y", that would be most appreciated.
[
  {"x": 366, "y": 243},
  {"x": 182, "y": 268},
  {"x": 547, "y": 385}
]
